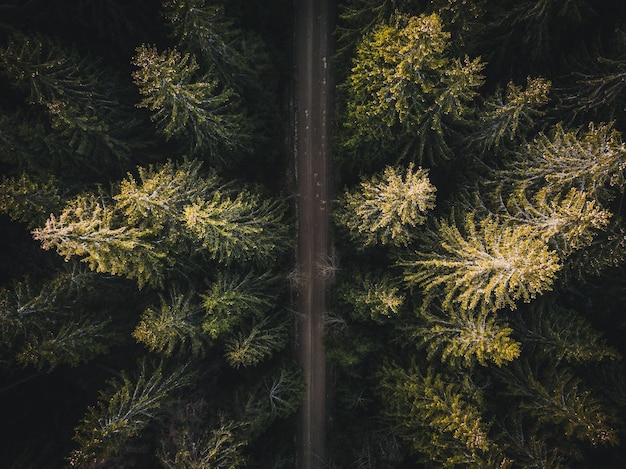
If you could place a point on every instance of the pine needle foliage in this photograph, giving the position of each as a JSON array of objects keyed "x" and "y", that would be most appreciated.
[
  {"x": 173, "y": 326},
  {"x": 386, "y": 209},
  {"x": 568, "y": 221},
  {"x": 462, "y": 338},
  {"x": 561, "y": 333},
  {"x": 188, "y": 106},
  {"x": 29, "y": 200},
  {"x": 217, "y": 447},
  {"x": 88, "y": 228},
  {"x": 511, "y": 113},
  {"x": 371, "y": 297},
  {"x": 558, "y": 399},
  {"x": 56, "y": 322},
  {"x": 406, "y": 91},
  {"x": 591, "y": 160},
  {"x": 484, "y": 264},
  {"x": 124, "y": 411},
  {"x": 83, "y": 102},
  {"x": 256, "y": 341},
  {"x": 440, "y": 418},
  {"x": 232, "y": 298}
]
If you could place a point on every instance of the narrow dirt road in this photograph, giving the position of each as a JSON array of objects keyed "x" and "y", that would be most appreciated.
[{"x": 312, "y": 158}]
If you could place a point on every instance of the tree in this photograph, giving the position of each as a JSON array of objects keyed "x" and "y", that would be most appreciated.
[
  {"x": 370, "y": 297},
  {"x": 509, "y": 115},
  {"x": 256, "y": 341},
  {"x": 233, "y": 298},
  {"x": 124, "y": 411},
  {"x": 81, "y": 104},
  {"x": 561, "y": 333},
  {"x": 28, "y": 199},
  {"x": 591, "y": 161},
  {"x": 484, "y": 264},
  {"x": 88, "y": 228},
  {"x": 387, "y": 209},
  {"x": 441, "y": 419},
  {"x": 406, "y": 92},
  {"x": 568, "y": 221},
  {"x": 187, "y": 106},
  {"x": 219, "y": 447},
  {"x": 559, "y": 400},
  {"x": 174, "y": 326},
  {"x": 466, "y": 337},
  {"x": 58, "y": 322}
]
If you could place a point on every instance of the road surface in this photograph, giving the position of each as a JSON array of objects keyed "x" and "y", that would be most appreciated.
[{"x": 312, "y": 135}]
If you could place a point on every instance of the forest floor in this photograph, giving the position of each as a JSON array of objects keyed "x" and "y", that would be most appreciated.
[{"x": 312, "y": 145}]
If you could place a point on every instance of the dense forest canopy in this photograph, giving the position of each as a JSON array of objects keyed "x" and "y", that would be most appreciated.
[
  {"x": 480, "y": 148},
  {"x": 145, "y": 315},
  {"x": 148, "y": 232}
]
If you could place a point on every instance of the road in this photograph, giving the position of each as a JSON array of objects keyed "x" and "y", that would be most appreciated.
[{"x": 312, "y": 144}]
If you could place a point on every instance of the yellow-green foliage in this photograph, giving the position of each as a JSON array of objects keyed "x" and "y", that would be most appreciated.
[
  {"x": 487, "y": 264},
  {"x": 464, "y": 337},
  {"x": 172, "y": 326},
  {"x": 386, "y": 209},
  {"x": 88, "y": 228},
  {"x": 440, "y": 418},
  {"x": 505, "y": 116},
  {"x": 186, "y": 105},
  {"x": 569, "y": 220},
  {"x": 587, "y": 160},
  {"x": 404, "y": 81}
]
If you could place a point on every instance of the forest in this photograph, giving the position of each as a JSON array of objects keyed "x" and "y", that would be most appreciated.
[{"x": 148, "y": 231}]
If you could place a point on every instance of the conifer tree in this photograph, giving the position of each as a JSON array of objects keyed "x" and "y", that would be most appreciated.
[
  {"x": 370, "y": 297},
  {"x": 591, "y": 161},
  {"x": 386, "y": 209},
  {"x": 510, "y": 114},
  {"x": 29, "y": 200},
  {"x": 256, "y": 341},
  {"x": 561, "y": 333},
  {"x": 130, "y": 405},
  {"x": 188, "y": 106},
  {"x": 406, "y": 91},
  {"x": 559, "y": 400},
  {"x": 60, "y": 322},
  {"x": 233, "y": 298},
  {"x": 441, "y": 419},
  {"x": 173, "y": 326},
  {"x": 89, "y": 228},
  {"x": 86, "y": 118},
  {"x": 219, "y": 447},
  {"x": 484, "y": 264},
  {"x": 466, "y": 337}
]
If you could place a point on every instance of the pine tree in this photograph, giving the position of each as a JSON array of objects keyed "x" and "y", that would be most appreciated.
[
  {"x": 124, "y": 411},
  {"x": 441, "y": 419},
  {"x": 232, "y": 298},
  {"x": 466, "y": 337},
  {"x": 256, "y": 341},
  {"x": 188, "y": 106},
  {"x": 88, "y": 228},
  {"x": 29, "y": 200},
  {"x": 561, "y": 333},
  {"x": 484, "y": 264},
  {"x": 58, "y": 322},
  {"x": 173, "y": 326},
  {"x": 568, "y": 221},
  {"x": 220, "y": 447},
  {"x": 559, "y": 401},
  {"x": 370, "y": 297},
  {"x": 510, "y": 114},
  {"x": 591, "y": 161},
  {"x": 386, "y": 209},
  {"x": 86, "y": 119},
  {"x": 406, "y": 92}
]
